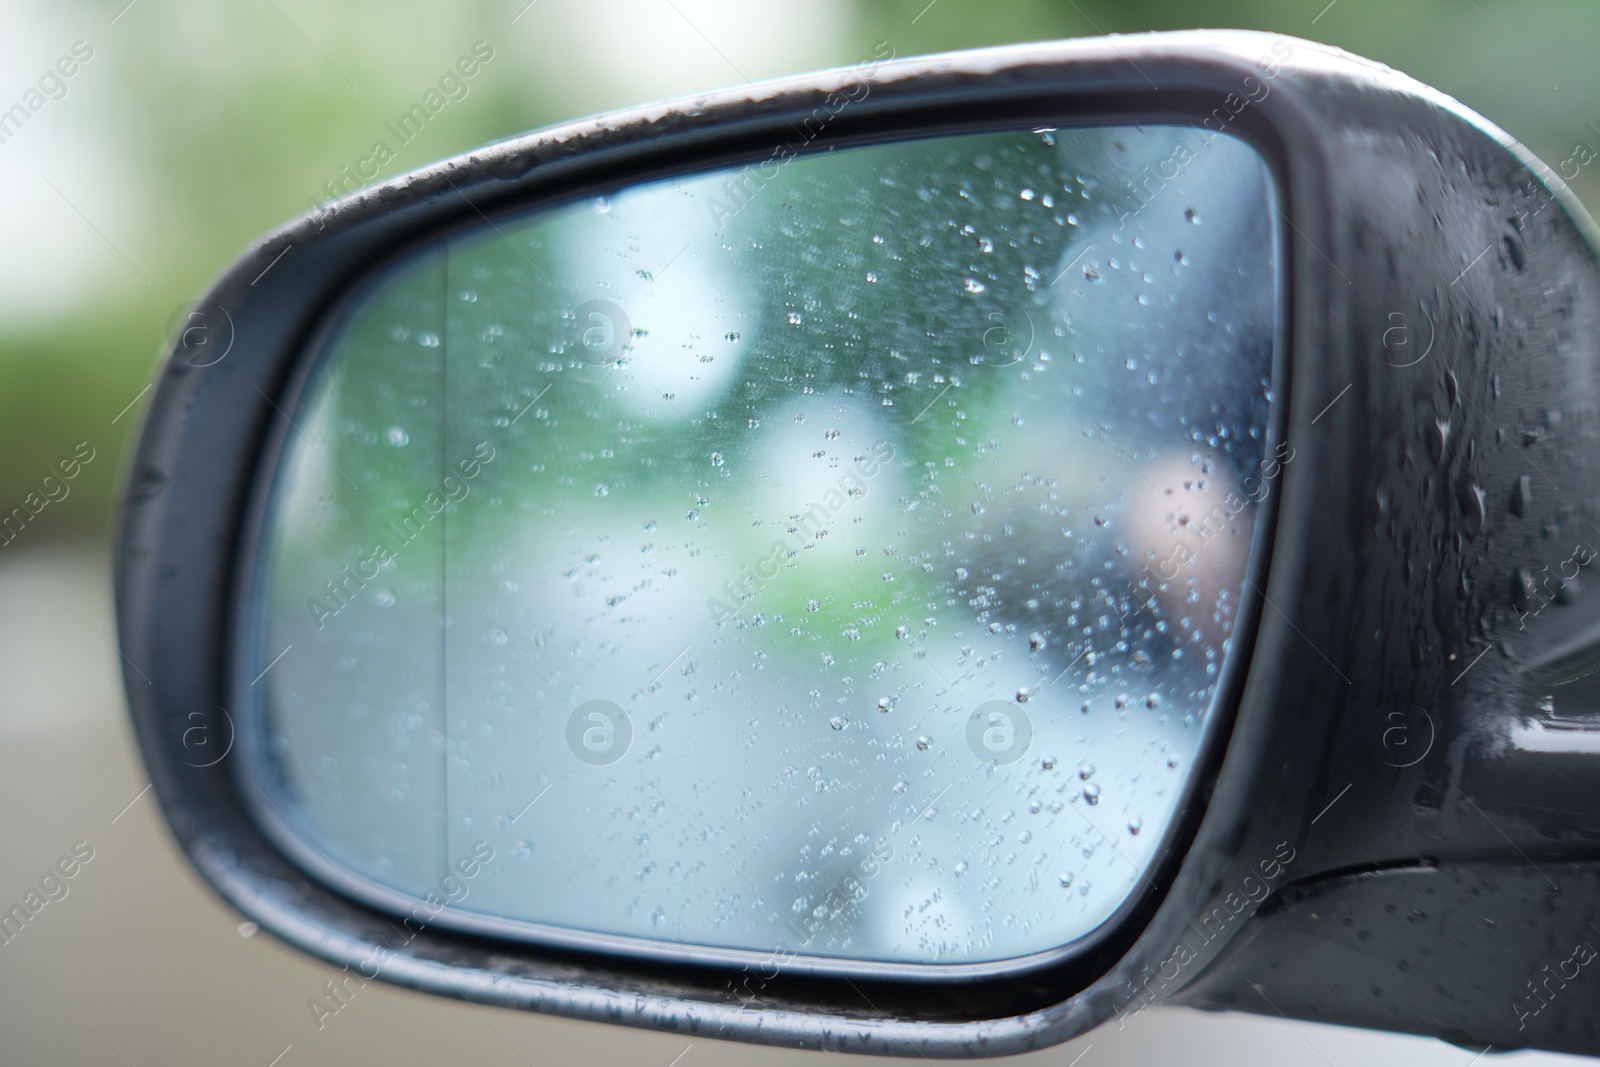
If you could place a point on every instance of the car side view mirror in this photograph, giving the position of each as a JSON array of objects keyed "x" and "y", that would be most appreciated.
[{"x": 926, "y": 558}]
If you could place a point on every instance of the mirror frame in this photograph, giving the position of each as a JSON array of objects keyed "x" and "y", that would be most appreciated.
[{"x": 211, "y": 421}]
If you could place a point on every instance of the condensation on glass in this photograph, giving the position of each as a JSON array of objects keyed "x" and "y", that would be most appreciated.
[{"x": 838, "y": 557}]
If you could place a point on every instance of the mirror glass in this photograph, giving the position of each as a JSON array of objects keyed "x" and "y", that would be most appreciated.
[{"x": 837, "y": 554}]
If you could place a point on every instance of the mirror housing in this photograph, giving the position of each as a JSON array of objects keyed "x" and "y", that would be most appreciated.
[{"x": 1400, "y": 678}]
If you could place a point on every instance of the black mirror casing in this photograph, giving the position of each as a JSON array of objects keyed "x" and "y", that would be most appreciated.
[{"x": 1325, "y": 870}]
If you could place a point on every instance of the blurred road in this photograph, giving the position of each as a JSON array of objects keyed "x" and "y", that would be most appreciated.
[{"x": 139, "y": 964}]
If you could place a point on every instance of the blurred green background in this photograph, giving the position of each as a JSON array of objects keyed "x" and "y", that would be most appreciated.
[{"x": 196, "y": 127}]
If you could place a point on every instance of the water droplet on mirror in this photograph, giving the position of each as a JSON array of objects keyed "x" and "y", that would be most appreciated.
[
  {"x": 1065, "y": 880},
  {"x": 1091, "y": 793},
  {"x": 1036, "y": 641},
  {"x": 397, "y": 437},
  {"x": 1135, "y": 825},
  {"x": 973, "y": 285},
  {"x": 923, "y": 743},
  {"x": 836, "y": 722}
]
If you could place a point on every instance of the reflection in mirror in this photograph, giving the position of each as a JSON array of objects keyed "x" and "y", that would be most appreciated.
[{"x": 838, "y": 557}]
